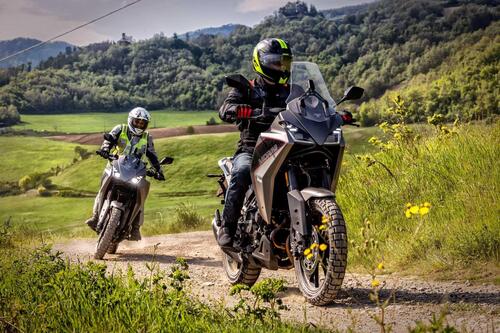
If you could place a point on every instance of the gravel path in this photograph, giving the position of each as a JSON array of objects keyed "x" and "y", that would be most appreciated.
[{"x": 471, "y": 307}]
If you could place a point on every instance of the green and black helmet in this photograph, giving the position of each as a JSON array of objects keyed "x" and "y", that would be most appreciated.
[{"x": 272, "y": 59}]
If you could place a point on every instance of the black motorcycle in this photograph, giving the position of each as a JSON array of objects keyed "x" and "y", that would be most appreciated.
[
  {"x": 123, "y": 192},
  {"x": 290, "y": 217}
]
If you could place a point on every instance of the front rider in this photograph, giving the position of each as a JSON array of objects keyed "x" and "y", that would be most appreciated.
[
  {"x": 128, "y": 139},
  {"x": 272, "y": 60}
]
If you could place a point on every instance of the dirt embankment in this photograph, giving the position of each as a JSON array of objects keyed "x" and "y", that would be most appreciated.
[
  {"x": 471, "y": 307},
  {"x": 96, "y": 138}
]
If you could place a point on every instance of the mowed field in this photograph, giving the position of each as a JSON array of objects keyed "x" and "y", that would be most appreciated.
[
  {"x": 103, "y": 122},
  {"x": 195, "y": 156}
]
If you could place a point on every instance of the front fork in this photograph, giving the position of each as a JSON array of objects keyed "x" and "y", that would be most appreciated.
[{"x": 299, "y": 228}]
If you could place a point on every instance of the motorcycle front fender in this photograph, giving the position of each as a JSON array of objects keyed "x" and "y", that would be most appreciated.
[{"x": 297, "y": 206}]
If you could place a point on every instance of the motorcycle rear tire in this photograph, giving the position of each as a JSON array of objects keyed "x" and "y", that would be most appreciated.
[
  {"x": 337, "y": 260},
  {"x": 107, "y": 234}
]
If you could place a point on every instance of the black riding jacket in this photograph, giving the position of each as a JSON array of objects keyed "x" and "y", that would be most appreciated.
[{"x": 272, "y": 96}]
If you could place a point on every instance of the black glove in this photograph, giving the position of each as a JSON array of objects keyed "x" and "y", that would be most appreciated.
[
  {"x": 159, "y": 175},
  {"x": 104, "y": 153}
]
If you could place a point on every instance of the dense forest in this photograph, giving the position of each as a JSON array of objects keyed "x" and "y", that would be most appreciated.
[{"x": 379, "y": 46}]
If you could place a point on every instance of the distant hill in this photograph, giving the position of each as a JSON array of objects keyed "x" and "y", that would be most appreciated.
[
  {"x": 224, "y": 30},
  {"x": 380, "y": 47},
  {"x": 339, "y": 13},
  {"x": 8, "y": 47}
]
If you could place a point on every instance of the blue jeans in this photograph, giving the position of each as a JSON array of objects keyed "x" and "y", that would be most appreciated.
[{"x": 238, "y": 185}]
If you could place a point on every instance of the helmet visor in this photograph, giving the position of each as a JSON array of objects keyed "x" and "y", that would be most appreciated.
[
  {"x": 277, "y": 62},
  {"x": 140, "y": 123}
]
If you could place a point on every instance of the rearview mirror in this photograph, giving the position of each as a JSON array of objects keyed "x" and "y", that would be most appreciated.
[
  {"x": 109, "y": 137},
  {"x": 239, "y": 82},
  {"x": 167, "y": 160},
  {"x": 351, "y": 93}
]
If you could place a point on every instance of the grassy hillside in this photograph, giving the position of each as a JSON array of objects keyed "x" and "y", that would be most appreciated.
[
  {"x": 459, "y": 175},
  {"x": 465, "y": 86},
  {"x": 28, "y": 155},
  {"x": 195, "y": 156},
  {"x": 103, "y": 122}
]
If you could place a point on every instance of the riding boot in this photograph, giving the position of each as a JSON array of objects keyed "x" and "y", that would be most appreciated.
[
  {"x": 92, "y": 222},
  {"x": 135, "y": 233}
]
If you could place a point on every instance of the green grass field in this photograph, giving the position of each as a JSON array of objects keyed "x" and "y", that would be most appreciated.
[
  {"x": 27, "y": 155},
  {"x": 103, "y": 122},
  {"x": 195, "y": 156}
]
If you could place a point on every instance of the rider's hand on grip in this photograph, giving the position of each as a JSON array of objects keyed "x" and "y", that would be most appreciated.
[
  {"x": 244, "y": 111},
  {"x": 103, "y": 153},
  {"x": 347, "y": 117},
  {"x": 159, "y": 175}
]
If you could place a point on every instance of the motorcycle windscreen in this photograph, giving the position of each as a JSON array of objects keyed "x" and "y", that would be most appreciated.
[
  {"x": 301, "y": 73},
  {"x": 129, "y": 166}
]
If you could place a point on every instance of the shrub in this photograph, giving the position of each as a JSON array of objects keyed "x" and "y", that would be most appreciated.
[
  {"x": 187, "y": 218},
  {"x": 190, "y": 130},
  {"x": 211, "y": 121}
]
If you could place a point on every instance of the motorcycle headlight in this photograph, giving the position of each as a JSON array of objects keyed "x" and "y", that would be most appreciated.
[
  {"x": 334, "y": 137},
  {"x": 136, "y": 180},
  {"x": 297, "y": 134}
]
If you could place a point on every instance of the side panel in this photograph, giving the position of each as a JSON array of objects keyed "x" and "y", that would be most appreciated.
[{"x": 270, "y": 152}]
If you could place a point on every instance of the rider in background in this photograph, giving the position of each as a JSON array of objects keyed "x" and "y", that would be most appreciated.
[
  {"x": 272, "y": 60},
  {"x": 128, "y": 139}
]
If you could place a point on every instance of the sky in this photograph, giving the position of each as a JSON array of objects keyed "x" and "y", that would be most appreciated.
[{"x": 43, "y": 19}]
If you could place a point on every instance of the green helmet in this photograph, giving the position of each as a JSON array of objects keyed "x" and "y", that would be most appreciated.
[{"x": 272, "y": 59}]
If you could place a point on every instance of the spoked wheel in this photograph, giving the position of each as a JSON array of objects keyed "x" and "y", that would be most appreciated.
[
  {"x": 106, "y": 235},
  {"x": 320, "y": 269},
  {"x": 244, "y": 272}
]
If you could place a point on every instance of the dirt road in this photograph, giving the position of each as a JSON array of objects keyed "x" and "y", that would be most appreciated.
[
  {"x": 96, "y": 138},
  {"x": 470, "y": 307}
]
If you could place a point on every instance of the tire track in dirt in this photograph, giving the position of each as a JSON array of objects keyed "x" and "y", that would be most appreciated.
[
  {"x": 472, "y": 307},
  {"x": 96, "y": 138}
]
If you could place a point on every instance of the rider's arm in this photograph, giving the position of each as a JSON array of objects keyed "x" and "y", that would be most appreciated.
[
  {"x": 115, "y": 132},
  {"x": 228, "y": 110},
  {"x": 151, "y": 154}
]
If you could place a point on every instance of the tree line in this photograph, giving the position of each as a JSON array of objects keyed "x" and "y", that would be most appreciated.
[{"x": 377, "y": 46}]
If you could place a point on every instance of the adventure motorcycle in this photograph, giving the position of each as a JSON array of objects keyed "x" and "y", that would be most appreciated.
[
  {"x": 124, "y": 190},
  {"x": 290, "y": 217}
]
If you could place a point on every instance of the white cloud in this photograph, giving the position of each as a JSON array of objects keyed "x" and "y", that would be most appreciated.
[
  {"x": 20, "y": 19},
  {"x": 259, "y": 5}
]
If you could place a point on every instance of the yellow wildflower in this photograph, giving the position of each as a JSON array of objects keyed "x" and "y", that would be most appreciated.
[
  {"x": 307, "y": 252},
  {"x": 414, "y": 209},
  {"x": 380, "y": 266},
  {"x": 423, "y": 210},
  {"x": 322, "y": 227},
  {"x": 427, "y": 204},
  {"x": 408, "y": 205},
  {"x": 314, "y": 245},
  {"x": 310, "y": 256},
  {"x": 375, "y": 283},
  {"x": 323, "y": 247},
  {"x": 408, "y": 214},
  {"x": 325, "y": 219}
]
